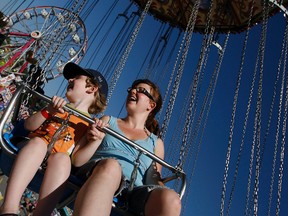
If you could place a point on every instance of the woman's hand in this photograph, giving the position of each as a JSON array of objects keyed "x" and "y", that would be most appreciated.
[
  {"x": 85, "y": 149},
  {"x": 95, "y": 133}
]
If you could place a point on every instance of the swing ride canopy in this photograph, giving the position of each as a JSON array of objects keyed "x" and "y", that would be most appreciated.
[{"x": 226, "y": 15}]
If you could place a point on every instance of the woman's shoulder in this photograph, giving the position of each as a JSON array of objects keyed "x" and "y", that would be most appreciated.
[
  {"x": 155, "y": 138},
  {"x": 105, "y": 118},
  {"x": 108, "y": 119},
  {"x": 159, "y": 141},
  {"x": 159, "y": 148}
]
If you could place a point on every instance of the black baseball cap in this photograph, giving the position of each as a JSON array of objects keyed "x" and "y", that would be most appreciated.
[{"x": 71, "y": 70}]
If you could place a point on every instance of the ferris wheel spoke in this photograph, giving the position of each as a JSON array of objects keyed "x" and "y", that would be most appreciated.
[
  {"x": 16, "y": 58},
  {"x": 47, "y": 35},
  {"x": 19, "y": 34}
]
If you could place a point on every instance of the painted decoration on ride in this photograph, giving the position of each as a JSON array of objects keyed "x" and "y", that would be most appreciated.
[
  {"x": 7, "y": 88},
  {"x": 8, "y": 85},
  {"x": 232, "y": 15}
]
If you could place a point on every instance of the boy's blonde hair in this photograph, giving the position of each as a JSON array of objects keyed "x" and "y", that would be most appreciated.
[{"x": 100, "y": 103}]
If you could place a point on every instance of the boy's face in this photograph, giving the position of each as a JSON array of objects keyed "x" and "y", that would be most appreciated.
[{"x": 76, "y": 89}]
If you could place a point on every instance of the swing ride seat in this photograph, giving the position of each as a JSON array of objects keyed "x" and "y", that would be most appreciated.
[
  {"x": 16, "y": 136},
  {"x": 9, "y": 150}
]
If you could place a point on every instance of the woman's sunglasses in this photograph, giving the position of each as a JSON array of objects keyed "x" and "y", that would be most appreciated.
[{"x": 141, "y": 90}]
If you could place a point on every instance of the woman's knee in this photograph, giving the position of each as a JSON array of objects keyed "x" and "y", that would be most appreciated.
[
  {"x": 108, "y": 167},
  {"x": 166, "y": 200}
]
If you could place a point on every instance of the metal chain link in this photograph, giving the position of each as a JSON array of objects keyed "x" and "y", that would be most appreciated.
[
  {"x": 134, "y": 172},
  {"x": 124, "y": 57},
  {"x": 257, "y": 126},
  {"x": 175, "y": 138},
  {"x": 192, "y": 103},
  {"x": 186, "y": 42},
  {"x": 232, "y": 124},
  {"x": 242, "y": 141},
  {"x": 207, "y": 104},
  {"x": 259, "y": 108},
  {"x": 282, "y": 151},
  {"x": 246, "y": 115},
  {"x": 171, "y": 75},
  {"x": 63, "y": 126},
  {"x": 284, "y": 46}
]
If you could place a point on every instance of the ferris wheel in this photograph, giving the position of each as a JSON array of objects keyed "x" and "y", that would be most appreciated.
[{"x": 48, "y": 36}]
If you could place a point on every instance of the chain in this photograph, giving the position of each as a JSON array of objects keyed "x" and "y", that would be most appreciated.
[
  {"x": 259, "y": 105},
  {"x": 257, "y": 143},
  {"x": 193, "y": 102},
  {"x": 242, "y": 139},
  {"x": 257, "y": 125},
  {"x": 171, "y": 75},
  {"x": 134, "y": 172},
  {"x": 187, "y": 38},
  {"x": 124, "y": 57},
  {"x": 229, "y": 148},
  {"x": 245, "y": 121},
  {"x": 175, "y": 143},
  {"x": 284, "y": 46},
  {"x": 210, "y": 94},
  {"x": 282, "y": 153},
  {"x": 63, "y": 126}
]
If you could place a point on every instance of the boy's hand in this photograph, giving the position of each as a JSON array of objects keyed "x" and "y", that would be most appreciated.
[
  {"x": 57, "y": 105},
  {"x": 95, "y": 133}
]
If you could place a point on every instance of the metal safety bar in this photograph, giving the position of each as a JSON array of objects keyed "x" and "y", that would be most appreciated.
[{"x": 23, "y": 89}]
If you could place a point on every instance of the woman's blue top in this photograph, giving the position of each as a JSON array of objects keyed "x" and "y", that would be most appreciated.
[{"x": 126, "y": 155}]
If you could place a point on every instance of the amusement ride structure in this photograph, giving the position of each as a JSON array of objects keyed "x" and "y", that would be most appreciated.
[{"x": 185, "y": 50}]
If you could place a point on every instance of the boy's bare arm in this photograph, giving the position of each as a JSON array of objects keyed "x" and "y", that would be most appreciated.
[
  {"x": 36, "y": 120},
  {"x": 85, "y": 149}
]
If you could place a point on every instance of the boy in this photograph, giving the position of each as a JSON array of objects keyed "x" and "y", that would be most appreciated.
[{"x": 57, "y": 132}]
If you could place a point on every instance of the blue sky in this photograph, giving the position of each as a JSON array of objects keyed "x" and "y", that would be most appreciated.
[{"x": 203, "y": 196}]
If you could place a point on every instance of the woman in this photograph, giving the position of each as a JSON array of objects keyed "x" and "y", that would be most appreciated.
[{"x": 113, "y": 162}]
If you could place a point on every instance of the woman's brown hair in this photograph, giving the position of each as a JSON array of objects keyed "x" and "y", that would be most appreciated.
[{"x": 151, "y": 123}]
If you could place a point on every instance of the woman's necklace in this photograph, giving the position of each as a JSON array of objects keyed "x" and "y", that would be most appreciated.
[{"x": 146, "y": 131}]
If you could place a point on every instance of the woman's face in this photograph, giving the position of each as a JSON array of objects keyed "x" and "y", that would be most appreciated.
[{"x": 139, "y": 97}]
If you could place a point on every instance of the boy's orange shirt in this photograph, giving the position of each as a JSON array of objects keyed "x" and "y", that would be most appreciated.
[{"x": 71, "y": 134}]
